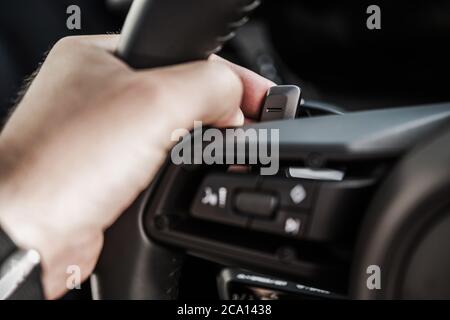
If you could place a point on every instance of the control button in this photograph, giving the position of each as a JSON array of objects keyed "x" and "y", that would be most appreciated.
[
  {"x": 297, "y": 194},
  {"x": 293, "y": 193},
  {"x": 286, "y": 223},
  {"x": 256, "y": 204},
  {"x": 213, "y": 200}
]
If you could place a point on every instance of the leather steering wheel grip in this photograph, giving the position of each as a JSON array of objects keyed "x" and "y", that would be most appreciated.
[
  {"x": 405, "y": 232},
  {"x": 160, "y": 33},
  {"x": 131, "y": 265}
]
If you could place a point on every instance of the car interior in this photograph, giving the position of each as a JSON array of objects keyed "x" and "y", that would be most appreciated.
[{"x": 364, "y": 180}]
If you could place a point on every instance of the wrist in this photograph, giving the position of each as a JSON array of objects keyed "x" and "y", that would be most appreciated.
[
  {"x": 58, "y": 250},
  {"x": 29, "y": 224}
]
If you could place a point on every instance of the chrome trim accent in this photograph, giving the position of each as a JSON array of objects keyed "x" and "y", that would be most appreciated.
[
  {"x": 316, "y": 174},
  {"x": 251, "y": 6},
  {"x": 95, "y": 287},
  {"x": 239, "y": 23},
  {"x": 16, "y": 269},
  {"x": 227, "y": 37},
  {"x": 215, "y": 50}
]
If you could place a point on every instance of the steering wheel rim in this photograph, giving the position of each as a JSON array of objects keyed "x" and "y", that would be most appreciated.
[
  {"x": 142, "y": 269},
  {"x": 405, "y": 214}
]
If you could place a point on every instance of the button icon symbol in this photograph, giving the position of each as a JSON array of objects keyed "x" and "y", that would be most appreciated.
[
  {"x": 222, "y": 197},
  {"x": 210, "y": 197},
  {"x": 298, "y": 194},
  {"x": 292, "y": 226}
]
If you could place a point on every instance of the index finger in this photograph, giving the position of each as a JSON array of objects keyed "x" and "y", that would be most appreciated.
[{"x": 255, "y": 88}]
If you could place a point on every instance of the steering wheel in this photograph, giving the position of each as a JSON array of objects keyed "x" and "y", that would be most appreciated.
[{"x": 353, "y": 191}]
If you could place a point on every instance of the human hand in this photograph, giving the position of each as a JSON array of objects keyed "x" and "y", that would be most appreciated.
[{"x": 89, "y": 136}]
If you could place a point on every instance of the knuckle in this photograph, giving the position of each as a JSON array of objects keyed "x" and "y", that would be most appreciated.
[
  {"x": 66, "y": 47},
  {"x": 143, "y": 87},
  {"x": 67, "y": 42},
  {"x": 225, "y": 76}
]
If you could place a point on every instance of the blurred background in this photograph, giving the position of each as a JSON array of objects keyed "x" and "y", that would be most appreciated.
[{"x": 322, "y": 45}]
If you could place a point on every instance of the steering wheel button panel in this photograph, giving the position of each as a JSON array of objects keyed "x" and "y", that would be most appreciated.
[
  {"x": 293, "y": 193},
  {"x": 213, "y": 200}
]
